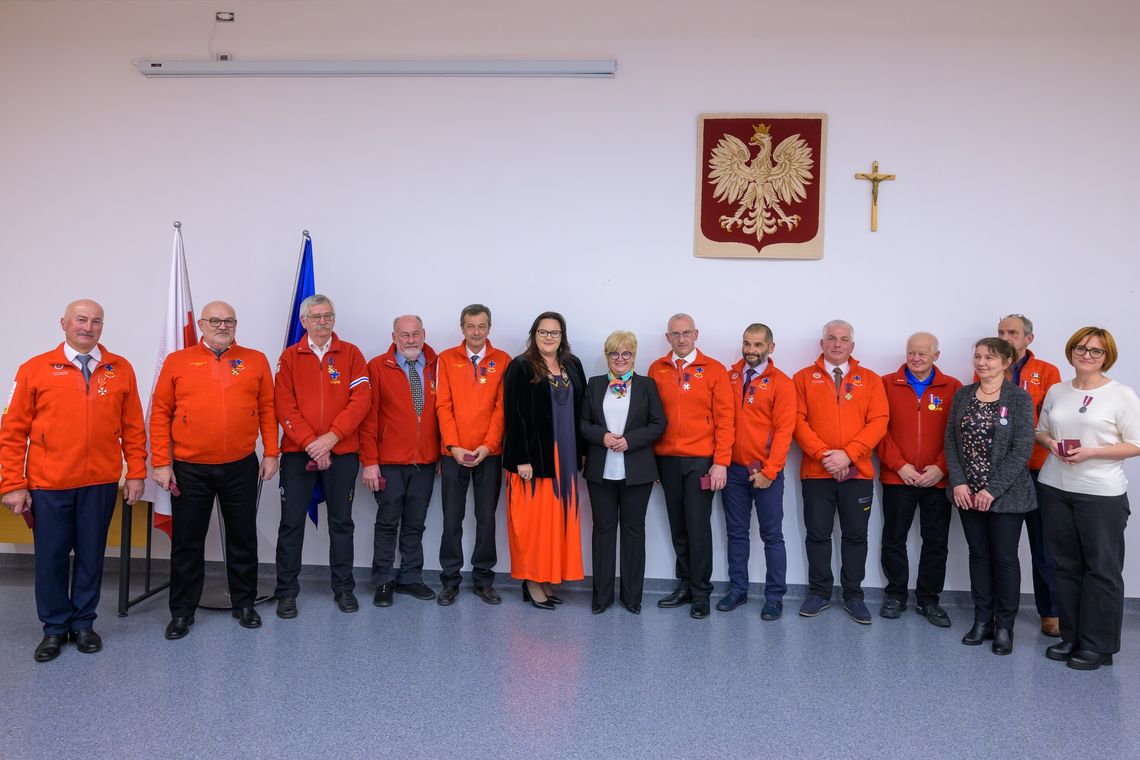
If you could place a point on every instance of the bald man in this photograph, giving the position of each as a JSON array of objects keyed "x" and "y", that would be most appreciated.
[
  {"x": 72, "y": 418},
  {"x": 913, "y": 474},
  {"x": 399, "y": 448},
  {"x": 210, "y": 403}
]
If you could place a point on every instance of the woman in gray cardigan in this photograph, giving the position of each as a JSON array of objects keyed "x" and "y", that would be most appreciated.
[{"x": 988, "y": 442}]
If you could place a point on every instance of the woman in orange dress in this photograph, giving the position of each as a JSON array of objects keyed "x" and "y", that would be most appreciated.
[{"x": 542, "y": 399}]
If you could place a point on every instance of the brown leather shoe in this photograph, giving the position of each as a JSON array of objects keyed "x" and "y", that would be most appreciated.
[{"x": 1051, "y": 626}]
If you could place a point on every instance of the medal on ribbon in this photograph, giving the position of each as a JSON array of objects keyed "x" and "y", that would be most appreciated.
[{"x": 1085, "y": 404}]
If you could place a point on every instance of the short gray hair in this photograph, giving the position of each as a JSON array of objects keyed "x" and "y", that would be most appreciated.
[
  {"x": 406, "y": 316},
  {"x": 315, "y": 300},
  {"x": 838, "y": 323},
  {"x": 1026, "y": 322},
  {"x": 756, "y": 327},
  {"x": 924, "y": 334},
  {"x": 681, "y": 315}
]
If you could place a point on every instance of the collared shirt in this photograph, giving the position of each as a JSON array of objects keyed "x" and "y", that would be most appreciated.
[
  {"x": 845, "y": 366},
  {"x": 419, "y": 364},
  {"x": 692, "y": 357},
  {"x": 320, "y": 351},
  {"x": 1016, "y": 367},
  {"x": 919, "y": 386},
  {"x": 71, "y": 355},
  {"x": 471, "y": 355},
  {"x": 758, "y": 369}
]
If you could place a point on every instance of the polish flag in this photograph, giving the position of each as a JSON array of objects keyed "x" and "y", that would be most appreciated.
[{"x": 178, "y": 332}]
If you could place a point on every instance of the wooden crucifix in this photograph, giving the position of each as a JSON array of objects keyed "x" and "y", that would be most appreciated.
[{"x": 875, "y": 178}]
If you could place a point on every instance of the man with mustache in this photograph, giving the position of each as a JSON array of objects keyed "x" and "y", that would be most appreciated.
[
  {"x": 765, "y": 419},
  {"x": 71, "y": 419},
  {"x": 399, "y": 448}
]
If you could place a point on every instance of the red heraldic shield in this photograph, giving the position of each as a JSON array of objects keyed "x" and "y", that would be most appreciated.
[{"x": 760, "y": 185}]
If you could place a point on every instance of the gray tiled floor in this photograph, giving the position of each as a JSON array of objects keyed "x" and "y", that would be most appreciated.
[{"x": 474, "y": 681}]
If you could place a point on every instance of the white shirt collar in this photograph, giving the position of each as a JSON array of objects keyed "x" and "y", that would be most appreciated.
[
  {"x": 471, "y": 354},
  {"x": 692, "y": 357},
  {"x": 71, "y": 353},
  {"x": 845, "y": 366}
]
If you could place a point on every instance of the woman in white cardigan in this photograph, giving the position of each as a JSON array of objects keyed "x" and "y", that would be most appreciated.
[{"x": 1090, "y": 424}]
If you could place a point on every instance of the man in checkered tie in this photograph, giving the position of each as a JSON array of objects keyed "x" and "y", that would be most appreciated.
[{"x": 399, "y": 448}]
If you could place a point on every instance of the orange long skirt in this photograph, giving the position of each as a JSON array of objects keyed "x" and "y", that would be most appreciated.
[{"x": 545, "y": 533}]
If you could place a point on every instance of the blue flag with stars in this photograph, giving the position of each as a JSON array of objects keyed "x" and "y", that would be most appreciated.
[{"x": 304, "y": 287}]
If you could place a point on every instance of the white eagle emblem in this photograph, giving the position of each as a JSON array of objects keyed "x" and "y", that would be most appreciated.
[{"x": 761, "y": 183}]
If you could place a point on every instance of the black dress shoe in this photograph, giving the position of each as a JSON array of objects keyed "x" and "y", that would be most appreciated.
[
  {"x": 87, "y": 641},
  {"x": 634, "y": 608},
  {"x": 247, "y": 617},
  {"x": 346, "y": 601},
  {"x": 418, "y": 590},
  {"x": 287, "y": 607},
  {"x": 978, "y": 634},
  {"x": 1003, "y": 641},
  {"x": 598, "y": 609},
  {"x": 383, "y": 596},
  {"x": 50, "y": 647},
  {"x": 447, "y": 596},
  {"x": 700, "y": 609},
  {"x": 1083, "y": 659},
  {"x": 544, "y": 605},
  {"x": 1061, "y": 651},
  {"x": 679, "y": 598},
  {"x": 554, "y": 598},
  {"x": 488, "y": 594},
  {"x": 179, "y": 627}
]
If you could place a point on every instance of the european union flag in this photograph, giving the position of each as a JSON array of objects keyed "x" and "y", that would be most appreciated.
[{"x": 302, "y": 289}]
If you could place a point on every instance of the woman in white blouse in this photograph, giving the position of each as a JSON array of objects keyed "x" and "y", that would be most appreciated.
[
  {"x": 1090, "y": 424},
  {"x": 622, "y": 417}
]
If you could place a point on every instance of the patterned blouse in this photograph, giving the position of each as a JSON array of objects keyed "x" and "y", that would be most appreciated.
[{"x": 978, "y": 442}]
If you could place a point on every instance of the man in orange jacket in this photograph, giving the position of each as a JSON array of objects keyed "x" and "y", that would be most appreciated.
[
  {"x": 399, "y": 448},
  {"x": 470, "y": 410},
  {"x": 841, "y": 415},
  {"x": 692, "y": 456},
  {"x": 71, "y": 419},
  {"x": 210, "y": 403},
  {"x": 1036, "y": 377},
  {"x": 765, "y": 420},
  {"x": 913, "y": 473},
  {"x": 322, "y": 394}
]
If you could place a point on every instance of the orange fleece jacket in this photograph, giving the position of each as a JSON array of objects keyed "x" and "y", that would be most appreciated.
[
  {"x": 765, "y": 418},
  {"x": 58, "y": 432},
  {"x": 314, "y": 396},
  {"x": 915, "y": 430},
  {"x": 825, "y": 421},
  {"x": 470, "y": 401},
  {"x": 391, "y": 433},
  {"x": 209, "y": 410},
  {"x": 699, "y": 407}
]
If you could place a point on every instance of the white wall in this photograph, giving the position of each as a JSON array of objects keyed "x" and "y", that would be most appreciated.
[{"x": 1011, "y": 127}]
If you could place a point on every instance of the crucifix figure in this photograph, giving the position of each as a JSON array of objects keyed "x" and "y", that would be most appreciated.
[{"x": 875, "y": 178}]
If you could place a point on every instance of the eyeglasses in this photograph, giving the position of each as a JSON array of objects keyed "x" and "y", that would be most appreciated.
[
  {"x": 215, "y": 323},
  {"x": 548, "y": 333},
  {"x": 1095, "y": 353},
  {"x": 623, "y": 355},
  {"x": 687, "y": 334},
  {"x": 319, "y": 318}
]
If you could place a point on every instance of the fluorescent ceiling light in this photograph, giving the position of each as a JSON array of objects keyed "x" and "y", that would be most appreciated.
[{"x": 393, "y": 68}]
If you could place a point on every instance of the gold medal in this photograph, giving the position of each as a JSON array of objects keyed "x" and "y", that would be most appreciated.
[{"x": 932, "y": 407}]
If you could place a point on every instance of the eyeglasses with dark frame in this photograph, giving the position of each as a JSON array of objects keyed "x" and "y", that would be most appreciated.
[
  {"x": 1095, "y": 353},
  {"x": 623, "y": 355},
  {"x": 215, "y": 323}
]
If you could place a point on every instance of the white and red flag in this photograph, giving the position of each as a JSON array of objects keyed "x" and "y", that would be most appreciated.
[{"x": 178, "y": 332}]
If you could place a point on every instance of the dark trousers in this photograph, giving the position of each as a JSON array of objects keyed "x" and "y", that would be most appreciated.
[
  {"x": 297, "y": 483},
  {"x": 401, "y": 509},
  {"x": 690, "y": 520},
  {"x": 1086, "y": 538},
  {"x": 1044, "y": 568},
  {"x": 739, "y": 496},
  {"x": 234, "y": 484},
  {"x": 486, "y": 481},
  {"x": 995, "y": 571},
  {"x": 70, "y": 520},
  {"x": 899, "y": 505},
  {"x": 615, "y": 503},
  {"x": 823, "y": 497}
]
